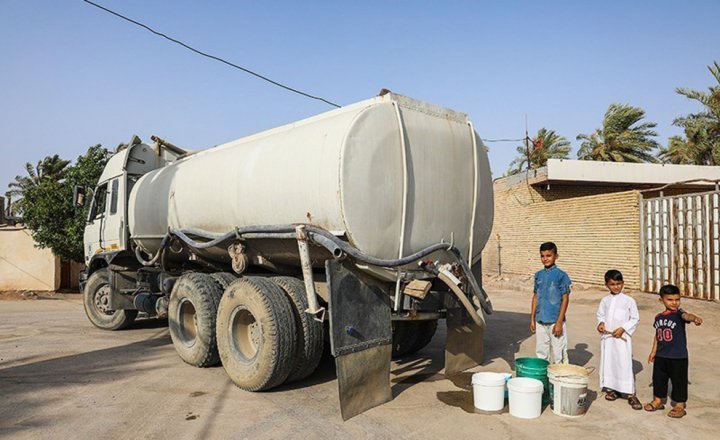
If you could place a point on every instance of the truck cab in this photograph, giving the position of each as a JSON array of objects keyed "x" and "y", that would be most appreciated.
[{"x": 106, "y": 231}]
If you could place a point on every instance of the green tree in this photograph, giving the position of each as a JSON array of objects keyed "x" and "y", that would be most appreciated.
[
  {"x": 701, "y": 143},
  {"x": 46, "y": 204},
  {"x": 50, "y": 168},
  {"x": 545, "y": 145},
  {"x": 622, "y": 138}
]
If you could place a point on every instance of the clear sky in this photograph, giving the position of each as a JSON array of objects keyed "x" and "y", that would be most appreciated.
[{"x": 72, "y": 76}]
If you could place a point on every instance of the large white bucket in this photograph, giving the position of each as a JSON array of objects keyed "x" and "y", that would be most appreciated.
[
  {"x": 568, "y": 390},
  {"x": 488, "y": 391},
  {"x": 525, "y": 397}
]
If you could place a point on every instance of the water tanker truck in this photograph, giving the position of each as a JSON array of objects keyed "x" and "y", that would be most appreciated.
[{"x": 362, "y": 227}]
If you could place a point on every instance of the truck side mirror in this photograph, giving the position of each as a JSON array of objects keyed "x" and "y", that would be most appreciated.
[{"x": 78, "y": 196}]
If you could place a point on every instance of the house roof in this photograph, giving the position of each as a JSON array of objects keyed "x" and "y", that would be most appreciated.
[{"x": 585, "y": 172}]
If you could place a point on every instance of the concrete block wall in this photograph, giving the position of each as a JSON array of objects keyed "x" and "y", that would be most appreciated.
[{"x": 596, "y": 228}]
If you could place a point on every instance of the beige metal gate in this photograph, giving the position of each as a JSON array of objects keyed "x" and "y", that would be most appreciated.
[{"x": 680, "y": 239}]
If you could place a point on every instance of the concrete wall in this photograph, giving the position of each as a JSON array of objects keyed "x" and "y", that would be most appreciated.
[
  {"x": 596, "y": 228},
  {"x": 23, "y": 266}
]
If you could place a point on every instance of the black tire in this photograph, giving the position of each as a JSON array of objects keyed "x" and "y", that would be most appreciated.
[
  {"x": 404, "y": 336},
  {"x": 425, "y": 330},
  {"x": 96, "y": 300},
  {"x": 309, "y": 349},
  {"x": 223, "y": 279},
  {"x": 192, "y": 312},
  {"x": 256, "y": 333}
]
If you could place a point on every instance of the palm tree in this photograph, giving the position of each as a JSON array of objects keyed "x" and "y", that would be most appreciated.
[
  {"x": 622, "y": 137},
  {"x": 545, "y": 145},
  {"x": 51, "y": 168},
  {"x": 701, "y": 144}
]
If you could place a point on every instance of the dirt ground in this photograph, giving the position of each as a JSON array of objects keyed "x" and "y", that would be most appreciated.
[{"x": 62, "y": 378}]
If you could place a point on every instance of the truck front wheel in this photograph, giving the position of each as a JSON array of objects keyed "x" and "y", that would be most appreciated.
[
  {"x": 256, "y": 333},
  {"x": 96, "y": 300},
  {"x": 191, "y": 317}
]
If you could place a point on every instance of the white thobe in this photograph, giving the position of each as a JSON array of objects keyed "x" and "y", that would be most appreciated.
[{"x": 616, "y": 370}]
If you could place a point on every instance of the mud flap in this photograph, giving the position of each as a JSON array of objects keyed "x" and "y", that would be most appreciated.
[
  {"x": 464, "y": 343},
  {"x": 360, "y": 338}
]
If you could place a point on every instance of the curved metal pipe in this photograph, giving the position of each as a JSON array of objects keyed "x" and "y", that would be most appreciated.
[{"x": 452, "y": 282}]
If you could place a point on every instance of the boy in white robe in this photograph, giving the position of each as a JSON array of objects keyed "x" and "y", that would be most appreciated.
[{"x": 618, "y": 318}]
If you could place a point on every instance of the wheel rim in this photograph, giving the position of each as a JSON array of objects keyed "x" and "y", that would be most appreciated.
[
  {"x": 245, "y": 334},
  {"x": 102, "y": 300},
  {"x": 187, "y": 323}
]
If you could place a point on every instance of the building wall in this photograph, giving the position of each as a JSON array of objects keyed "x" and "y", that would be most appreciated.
[
  {"x": 596, "y": 228},
  {"x": 23, "y": 266}
]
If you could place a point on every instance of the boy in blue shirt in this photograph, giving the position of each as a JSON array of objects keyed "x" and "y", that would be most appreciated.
[
  {"x": 549, "y": 304},
  {"x": 669, "y": 353}
]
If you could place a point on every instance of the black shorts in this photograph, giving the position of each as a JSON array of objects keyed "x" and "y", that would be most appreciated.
[{"x": 677, "y": 371}]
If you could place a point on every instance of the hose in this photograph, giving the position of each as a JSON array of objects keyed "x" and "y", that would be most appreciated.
[
  {"x": 154, "y": 259},
  {"x": 323, "y": 238}
]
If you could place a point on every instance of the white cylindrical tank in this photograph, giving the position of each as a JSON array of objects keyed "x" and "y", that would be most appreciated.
[{"x": 393, "y": 174}]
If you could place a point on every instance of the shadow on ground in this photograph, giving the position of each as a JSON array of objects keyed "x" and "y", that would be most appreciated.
[{"x": 21, "y": 385}]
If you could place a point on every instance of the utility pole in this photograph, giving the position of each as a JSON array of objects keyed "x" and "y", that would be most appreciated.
[{"x": 527, "y": 147}]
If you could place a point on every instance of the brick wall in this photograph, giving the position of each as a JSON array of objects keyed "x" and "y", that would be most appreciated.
[{"x": 596, "y": 228}]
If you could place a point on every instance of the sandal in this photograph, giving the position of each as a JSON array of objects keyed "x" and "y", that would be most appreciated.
[
  {"x": 611, "y": 395},
  {"x": 654, "y": 407},
  {"x": 634, "y": 402},
  {"x": 677, "y": 413}
]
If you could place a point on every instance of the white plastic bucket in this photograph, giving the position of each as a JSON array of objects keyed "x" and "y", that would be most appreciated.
[
  {"x": 525, "y": 397},
  {"x": 488, "y": 391},
  {"x": 568, "y": 390}
]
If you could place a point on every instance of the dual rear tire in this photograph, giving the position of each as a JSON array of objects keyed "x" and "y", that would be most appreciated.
[
  {"x": 192, "y": 313},
  {"x": 256, "y": 326}
]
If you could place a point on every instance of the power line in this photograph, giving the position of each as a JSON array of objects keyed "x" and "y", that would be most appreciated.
[{"x": 199, "y": 52}]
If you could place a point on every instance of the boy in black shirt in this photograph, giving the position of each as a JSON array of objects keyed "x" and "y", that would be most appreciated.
[{"x": 669, "y": 352}]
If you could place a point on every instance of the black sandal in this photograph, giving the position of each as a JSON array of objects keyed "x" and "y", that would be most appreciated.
[
  {"x": 611, "y": 395},
  {"x": 635, "y": 402},
  {"x": 650, "y": 407}
]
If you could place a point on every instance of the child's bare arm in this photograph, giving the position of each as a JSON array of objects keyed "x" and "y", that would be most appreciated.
[
  {"x": 651, "y": 357},
  {"x": 533, "y": 308},
  {"x": 689, "y": 317}
]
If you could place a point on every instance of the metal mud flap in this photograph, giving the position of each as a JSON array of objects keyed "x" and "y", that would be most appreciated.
[
  {"x": 360, "y": 338},
  {"x": 464, "y": 343}
]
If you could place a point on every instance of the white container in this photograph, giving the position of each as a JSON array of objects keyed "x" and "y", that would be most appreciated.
[
  {"x": 488, "y": 391},
  {"x": 525, "y": 397},
  {"x": 568, "y": 390},
  {"x": 391, "y": 174}
]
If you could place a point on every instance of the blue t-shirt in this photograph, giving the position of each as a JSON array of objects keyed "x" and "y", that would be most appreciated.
[
  {"x": 670, "y": 335},
  {"x": 550, "y": 286}
]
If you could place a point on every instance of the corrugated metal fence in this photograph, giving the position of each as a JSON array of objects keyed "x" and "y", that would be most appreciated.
[{"x": 680, "y": 239}]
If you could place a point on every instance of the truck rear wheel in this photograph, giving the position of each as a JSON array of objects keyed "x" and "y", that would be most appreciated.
[
  {"x": 425, "y": 332},
  {"x": 409, "y": 337},
  {"x": 309, "y": 331},
  {"x": 223, "y": 279},
  {"x": 96, "y": 300},
  {"x": 256, "y": 333},
  {"x": 404, "y": 336},
  {"x": 192, "y": 313}
]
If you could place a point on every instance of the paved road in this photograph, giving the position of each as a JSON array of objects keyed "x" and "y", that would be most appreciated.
[{"x": 62, "y": 378}]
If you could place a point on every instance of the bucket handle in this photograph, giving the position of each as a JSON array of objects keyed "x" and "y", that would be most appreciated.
[{"x": 590, "y": 370}]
